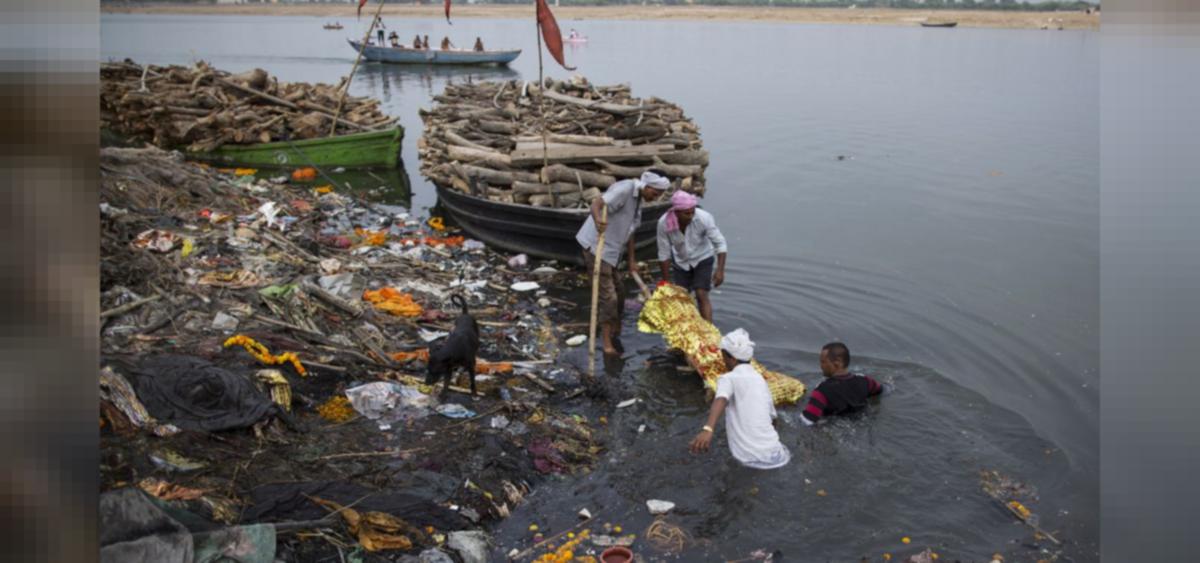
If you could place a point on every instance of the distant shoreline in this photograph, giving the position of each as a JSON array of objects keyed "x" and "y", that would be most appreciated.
[{"x": 864, "y": 16}]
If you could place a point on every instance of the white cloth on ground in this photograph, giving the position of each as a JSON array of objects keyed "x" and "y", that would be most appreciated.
[{"x": 753, "y": 441}]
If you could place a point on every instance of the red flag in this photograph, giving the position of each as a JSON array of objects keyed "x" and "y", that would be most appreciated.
[
  {"x": 448, "y": 13},
  {"x": 361, "y": 3},
  {"x": 550, "y": 33}
]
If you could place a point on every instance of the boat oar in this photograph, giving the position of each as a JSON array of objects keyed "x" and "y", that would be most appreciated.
[{"x": 596, "y": 293}]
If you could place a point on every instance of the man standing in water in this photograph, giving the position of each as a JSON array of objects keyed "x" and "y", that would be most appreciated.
[
  {"x": 688, "y": 244},
  {"x": 742, "y": 391},
  {"x": 624, "y": 202},
  {"x": 841, "y": 392}
]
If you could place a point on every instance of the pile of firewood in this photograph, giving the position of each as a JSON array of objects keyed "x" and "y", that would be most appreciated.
[
  {"x": 201, "y": 108},
  {"x": 486, "y": 139}
]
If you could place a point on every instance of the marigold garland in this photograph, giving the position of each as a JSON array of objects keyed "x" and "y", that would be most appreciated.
[
  {"x": 392, "y": 301},
  {"x": 263, "y": 355}
]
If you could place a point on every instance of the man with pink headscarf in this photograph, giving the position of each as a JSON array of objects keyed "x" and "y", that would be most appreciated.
[{"x": 689, "y": 242}]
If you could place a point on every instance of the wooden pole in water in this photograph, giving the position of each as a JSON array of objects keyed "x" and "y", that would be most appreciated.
[
  {"x": 361, "y": 47},
  {"x": 596, "y": 292}
]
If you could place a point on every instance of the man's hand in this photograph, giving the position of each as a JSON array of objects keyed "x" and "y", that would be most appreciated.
[
  {"x": 701, "y": 442},
  {"x": 600, "y": 226},
  {"x": 719, "y": 278}
]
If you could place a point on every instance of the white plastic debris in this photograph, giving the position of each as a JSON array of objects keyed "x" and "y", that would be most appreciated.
[
  {"x": 389, "y": 401},
  {"x": 270, "y": 210},
  {"x": 499, "y": 421},
  {"x": 659, "y": 506},
  {"x": 585, "y": 514},
  {"x": 543, "y": 302},
  {"x": 330, "y": 265},
  {"x": 431, "y": 335},
  {"x": 544, "y": 271},
  {"x": 518, "y": 261},
  {"x": 472, "y": 244},
  {"x": 628, "y": 403},
  {"x": 224, "y": 322},
  {"x": 525, "y": 286},
  {"x": 641, "y": 428},
  {"x": 577, "y": 340}
]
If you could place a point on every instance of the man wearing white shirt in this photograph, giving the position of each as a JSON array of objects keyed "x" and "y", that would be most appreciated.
[
  {"x": 743, "y": 392},
  {"x": 689, "y": 243}
]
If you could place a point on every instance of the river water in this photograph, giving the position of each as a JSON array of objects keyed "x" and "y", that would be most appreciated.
[{"x": 954, "y": 248}]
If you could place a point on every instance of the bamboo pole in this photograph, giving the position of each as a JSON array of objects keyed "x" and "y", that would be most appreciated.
[
  {"x": 596, "y": 291},
  {"x": 361, "y": 47}
]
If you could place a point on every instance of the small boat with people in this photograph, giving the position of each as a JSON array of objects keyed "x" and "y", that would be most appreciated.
[
  {"x": 334, "y": 25},
  {"x": 409, "y": 55},
  {"x": 575, "y": 37},
  {"x": 938, "y": 24}
]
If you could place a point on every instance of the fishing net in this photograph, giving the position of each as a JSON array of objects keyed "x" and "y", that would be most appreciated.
[{"x": 672, "y": 312}]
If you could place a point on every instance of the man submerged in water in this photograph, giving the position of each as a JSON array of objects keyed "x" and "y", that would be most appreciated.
[
  {"x": 743, "y": 392},
  {"x": 841, "y": 392}
]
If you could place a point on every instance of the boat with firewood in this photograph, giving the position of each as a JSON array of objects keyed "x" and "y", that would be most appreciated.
[
  {"x": 408, "y": 55},
  {"x": 514, "y": 189},
  {"x": 246, "y": 119}
]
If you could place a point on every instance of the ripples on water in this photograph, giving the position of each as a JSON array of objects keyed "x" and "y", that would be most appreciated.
[{"x": 954, "y": 249}]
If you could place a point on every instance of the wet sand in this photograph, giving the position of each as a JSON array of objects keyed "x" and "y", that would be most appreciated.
[{"x": 870, "y": 16}]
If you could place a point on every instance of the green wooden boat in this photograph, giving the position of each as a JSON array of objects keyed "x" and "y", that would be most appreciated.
[{"x": 370, "y": 149}]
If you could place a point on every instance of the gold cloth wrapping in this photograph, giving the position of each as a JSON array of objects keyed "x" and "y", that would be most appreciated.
[{"x": 672, "y": 312}]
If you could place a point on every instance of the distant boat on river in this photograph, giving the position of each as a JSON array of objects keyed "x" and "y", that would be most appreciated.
[
  {"x": 334, "y": 25},
  {"x": 938, "y": 24},
  {"x": 408, "y": 55}
]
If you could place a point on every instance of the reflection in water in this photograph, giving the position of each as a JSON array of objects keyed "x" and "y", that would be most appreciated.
[
  {"x": 385, "y": 185},
  {"x": 429, "y": 79}
]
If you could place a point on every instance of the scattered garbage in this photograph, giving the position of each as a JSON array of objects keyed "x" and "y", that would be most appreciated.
[
  {"x": 390, "y": 402},
  {"x": 628, "y": 403},
  {"x": 659, "y": 506},
  {"x": 454, "y": 411},
  {"x": 472, "y": 547},
  {"x": 577, "y": 340},
  {"x": 519, "y": 261},
  {"x": 525, "y": 286},
  {"x": 227, "y": 323}
]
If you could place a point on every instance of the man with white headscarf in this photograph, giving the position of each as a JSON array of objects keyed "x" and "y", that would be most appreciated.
[
  {"x": 624, "y": 201},
  {"x": 689, "y": 243},
  {"x": 744, "y": 393}
]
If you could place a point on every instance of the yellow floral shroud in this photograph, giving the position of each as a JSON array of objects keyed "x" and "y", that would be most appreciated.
[{"x": 672, "y": 312}]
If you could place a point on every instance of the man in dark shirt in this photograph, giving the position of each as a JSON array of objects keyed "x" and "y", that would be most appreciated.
[{"x": 842, "y": 392}]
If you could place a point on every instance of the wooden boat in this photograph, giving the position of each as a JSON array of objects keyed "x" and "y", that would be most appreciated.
[
  {"x": 408, "y": 55},
  {"x": 332, "y": 26},
  {"x": 938, "y": 24},
  {"x": 370, "y": 149},
  {"x": 543, "y": 232}
]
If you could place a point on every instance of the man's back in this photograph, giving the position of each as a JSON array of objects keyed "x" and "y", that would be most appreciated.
[
  {"x": 753, "y": 440},
  {"x": 840, "y": 394}
]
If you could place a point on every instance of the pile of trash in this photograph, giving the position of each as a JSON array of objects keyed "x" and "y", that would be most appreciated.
[
  {"x": 202, "y": 108},
  {"x": 262, "y": 381}
]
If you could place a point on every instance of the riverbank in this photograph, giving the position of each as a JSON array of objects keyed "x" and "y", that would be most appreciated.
[{"x": 868, "y": 16}]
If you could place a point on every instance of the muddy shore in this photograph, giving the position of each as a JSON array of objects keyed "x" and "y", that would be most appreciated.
[{"x": 869, "y": 16}]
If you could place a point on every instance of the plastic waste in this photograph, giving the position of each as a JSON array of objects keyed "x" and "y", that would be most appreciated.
[
  {"x": 270, "y": 210},
  {"x": 224, "y": 322},
  {"x": 452, "y": 410},
  {"x": 389, "y": 402},
  {"x": 659, "y": 506},
  {"x": 577, "y": 340},
  {"x": 518, "y": 261},
  {"x": 525, "y": 286},
  {"x": 473, "y": 244},
  {"x": 499, "y": 421}
]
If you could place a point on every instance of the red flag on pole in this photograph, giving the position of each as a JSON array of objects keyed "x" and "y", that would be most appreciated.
[
  {"x": 550, "y": 33},
  {"x": 361, "y": 3},
  {"x": 448, "y": 13}
]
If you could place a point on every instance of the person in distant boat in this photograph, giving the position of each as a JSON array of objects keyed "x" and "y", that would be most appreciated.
[
  {"x": 841, "y": 392},
  {"x": 394, "y": 39},
  {"x": 689, "y": 243},
  {"x": 379, "y": 27},
  {"x": 623, "y": 201},
  {"x": 417, "y": 42},
  {"x": 425, "y": 44},
  {"x": 743, "y": 392},
  {"x": 574, "y": 34},
  {"x": 478, "y": 44},
  {"x": 446, "y": 44}
]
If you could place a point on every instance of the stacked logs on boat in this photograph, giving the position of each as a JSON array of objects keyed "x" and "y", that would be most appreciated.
[
  {"x": 485, "y": 139},
  {"x": 201, "y": 108}
]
